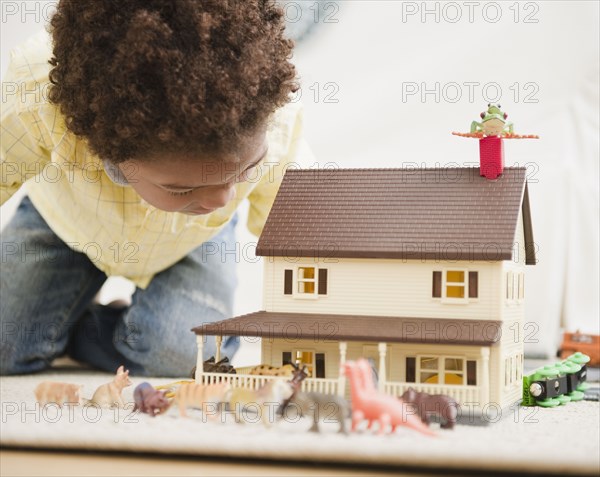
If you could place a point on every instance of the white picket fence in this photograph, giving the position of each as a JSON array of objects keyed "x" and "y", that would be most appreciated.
[
  {"x": 250, "y": 381},
  {"x": 462, "y": 394}
]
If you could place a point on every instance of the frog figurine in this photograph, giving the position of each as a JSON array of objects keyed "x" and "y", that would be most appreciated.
[{"x": 493, "y": 122}]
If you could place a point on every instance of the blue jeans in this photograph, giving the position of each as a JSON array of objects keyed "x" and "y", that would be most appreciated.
[{"x": 46, "y": 309}]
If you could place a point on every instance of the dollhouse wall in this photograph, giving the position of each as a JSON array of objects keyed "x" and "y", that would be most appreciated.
[{"x": 383, "y": 287}]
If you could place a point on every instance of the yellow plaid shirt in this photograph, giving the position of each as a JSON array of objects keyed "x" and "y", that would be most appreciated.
[{"x": 111, "y": 224}]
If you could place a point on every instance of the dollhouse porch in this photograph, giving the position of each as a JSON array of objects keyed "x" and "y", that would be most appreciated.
[{"x": 450, "y": 357}]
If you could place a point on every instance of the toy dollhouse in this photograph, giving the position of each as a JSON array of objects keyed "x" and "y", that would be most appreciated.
[{"x": 420, "y": 271}]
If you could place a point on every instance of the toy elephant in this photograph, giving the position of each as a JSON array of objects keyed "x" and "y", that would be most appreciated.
[{"x": 433, "y": 404}]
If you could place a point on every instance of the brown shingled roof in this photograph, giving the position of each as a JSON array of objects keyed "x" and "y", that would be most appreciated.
[
  {"x": 438, "y": 213},
  {"x": 323, "y": 327}
]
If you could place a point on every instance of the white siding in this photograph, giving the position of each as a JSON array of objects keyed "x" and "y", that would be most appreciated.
[
  {"x": 514, "y": 330},
  {"x": 384, "y": 288}
]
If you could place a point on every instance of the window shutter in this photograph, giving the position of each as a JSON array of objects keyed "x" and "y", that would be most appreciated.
[
  {"x": 411, "y": 369},
  {"x": 437, "y": 285},
  {"x": 473, "y": 284},
  {"x": 286, "y": 357},
  {"x": 287, "y": 285},
  {"x": 471, "y": 373},
  {"x": 320, "y": 365},
  {"x": 322, "y": 281}
]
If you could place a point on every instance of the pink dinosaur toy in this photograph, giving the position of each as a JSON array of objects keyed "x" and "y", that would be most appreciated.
[{"x": 370, "y": 404}]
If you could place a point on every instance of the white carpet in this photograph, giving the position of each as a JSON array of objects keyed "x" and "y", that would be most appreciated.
[{"x": 557, "y": 441}]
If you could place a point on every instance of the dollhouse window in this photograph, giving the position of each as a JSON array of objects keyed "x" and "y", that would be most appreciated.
[
  {"x": 307, "y": 280},
  {"x": 310, "y": 281},
  {"x": 455, "y": 285},
  {"x": 314, "y": 362},
  {"x": 441, "y": 370}
]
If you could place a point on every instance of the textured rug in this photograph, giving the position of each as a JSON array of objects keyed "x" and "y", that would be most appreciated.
[{"x": 552, "y": 441}]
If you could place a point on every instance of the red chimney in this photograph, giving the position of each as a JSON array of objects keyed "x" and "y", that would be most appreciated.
[{"x": 491, "y": 157}]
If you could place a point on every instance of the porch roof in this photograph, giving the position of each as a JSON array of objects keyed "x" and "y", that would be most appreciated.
[{"x": 328, "y": 328}]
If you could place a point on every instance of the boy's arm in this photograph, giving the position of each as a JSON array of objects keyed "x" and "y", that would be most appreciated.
[
  {"x": 23, "y": 153},
  {"x": 287, "y": 149}
]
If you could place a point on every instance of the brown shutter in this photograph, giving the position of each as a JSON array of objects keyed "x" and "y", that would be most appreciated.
[
  {"x": 320, "y": 365},
  {"x": 472, "y": 373},
  {"x": 287, "y": 285},
  {"x": 411, "y": 369},
  {"x": 286, "y": 357},
  {"x": 322, "y": 281},
  {"x": 473, "y": 284},
  {"x": 437, "y": 285}
]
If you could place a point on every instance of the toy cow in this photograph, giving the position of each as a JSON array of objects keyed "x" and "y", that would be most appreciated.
[
  {"x": 59, "y": 393},
  {"x": 433, "y": 404},
  {"x": 149, "y": 400}
]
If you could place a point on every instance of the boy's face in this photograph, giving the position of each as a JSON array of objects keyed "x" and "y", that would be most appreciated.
[{"x": 195, "y": 185}]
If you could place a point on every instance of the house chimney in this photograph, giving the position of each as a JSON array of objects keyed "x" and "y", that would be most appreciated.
[{"x": 491, "y": 157}]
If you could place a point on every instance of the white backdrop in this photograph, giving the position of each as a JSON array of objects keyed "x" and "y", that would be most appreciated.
[{"x": 384, "y": 84}]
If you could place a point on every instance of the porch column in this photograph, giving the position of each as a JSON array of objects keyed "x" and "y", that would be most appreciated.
[
  {"x": 484, "y": 387},
  {"x": 199, "y": 359},
  {"x": 342, "y": 378},
  {"x": 382, "y": 347},
  {"x": 218, "y": 341}
]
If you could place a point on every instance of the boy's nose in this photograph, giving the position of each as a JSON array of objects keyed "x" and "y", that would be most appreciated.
[{"x": 221, "y": 197}]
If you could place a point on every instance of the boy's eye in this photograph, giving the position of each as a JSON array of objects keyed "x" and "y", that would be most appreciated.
[{"x": 185, "y": 192}]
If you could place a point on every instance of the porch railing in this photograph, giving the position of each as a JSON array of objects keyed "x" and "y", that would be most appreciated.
[
  {"x": 251, "y": 381},
  {"x": 462, "y": 394}
]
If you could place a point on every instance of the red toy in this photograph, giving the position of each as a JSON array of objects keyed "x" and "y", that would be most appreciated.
[
  {"x": 370, "y": 404},
  {"x": 492, "y": 129}
]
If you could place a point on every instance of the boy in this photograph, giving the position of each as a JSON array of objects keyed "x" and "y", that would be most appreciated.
[{"x": 150, "y": 124}]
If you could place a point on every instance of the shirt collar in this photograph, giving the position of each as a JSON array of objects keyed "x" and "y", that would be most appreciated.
[{"x": 114, "y": 173}]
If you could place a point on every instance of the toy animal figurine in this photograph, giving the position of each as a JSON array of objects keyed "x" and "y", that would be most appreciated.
[
  {"x": 273, "y": 392},
  {"x": 372, "y": 405},
  {"x": 59, "y": 393},
  {"x": 433, "y": 404},
  {"x": 149, "y": 400},
  {"x": 209, "y": 366},
  {"x": 267, "y": 370},
  {"x": 493, "y": 124},
  {"x": 315, "y": 404},
  {"x": 298, "y": 376},
  {"x": 322, "y": 406},
  {"x": 199, "y": 395},
  {"x": 109, "y": 394}
]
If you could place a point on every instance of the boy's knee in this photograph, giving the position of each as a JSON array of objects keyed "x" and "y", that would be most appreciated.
[
  {"x": 159, "y": 353},
  {"x": 13, "y": 362},
  {"x": 176, "y": 362},
  {"x": 7, "y": 358}
]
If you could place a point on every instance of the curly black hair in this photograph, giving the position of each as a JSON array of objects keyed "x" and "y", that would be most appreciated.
[{"x": 139, "y": 77}]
